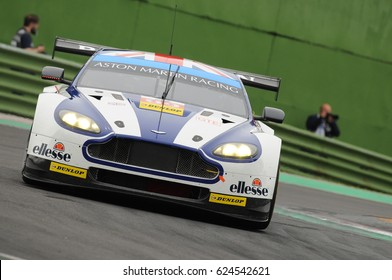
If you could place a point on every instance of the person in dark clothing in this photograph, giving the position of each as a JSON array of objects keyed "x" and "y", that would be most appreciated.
[
  {"x": 23, "y": 38},
  {"x": 324, "y": 123}
]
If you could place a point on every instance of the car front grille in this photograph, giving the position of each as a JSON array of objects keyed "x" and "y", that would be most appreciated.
[
  {"x": 153, "y": 156},
  {"x": 150, "y": 185}
]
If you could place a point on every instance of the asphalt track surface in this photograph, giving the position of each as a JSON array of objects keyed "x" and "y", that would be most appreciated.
[{"x": 48, "y": 222}]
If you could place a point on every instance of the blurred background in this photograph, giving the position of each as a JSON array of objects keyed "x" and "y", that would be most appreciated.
[{"x": 324, "y": 50}]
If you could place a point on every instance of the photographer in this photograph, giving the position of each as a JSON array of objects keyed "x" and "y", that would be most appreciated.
[{"x": 324, "y": 123}]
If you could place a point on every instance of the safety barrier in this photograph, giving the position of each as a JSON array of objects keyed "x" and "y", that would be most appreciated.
[
  {"x": 306, "y": 152},
  {"x": 20, "y": 78},
  {"x": 302, "y": 151}
]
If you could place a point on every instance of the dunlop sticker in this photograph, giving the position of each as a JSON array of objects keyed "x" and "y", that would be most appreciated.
[
  {"x": 68, "y": 170},
  {"x": 227, "y": 199},
  {"x": 154, "y": 104}
]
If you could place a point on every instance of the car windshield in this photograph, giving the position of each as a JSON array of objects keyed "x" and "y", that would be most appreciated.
[{"x": 190, "y": 87}]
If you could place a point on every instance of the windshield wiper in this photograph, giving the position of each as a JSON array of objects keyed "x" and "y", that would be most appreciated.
[{"x": 169, "y": 84}]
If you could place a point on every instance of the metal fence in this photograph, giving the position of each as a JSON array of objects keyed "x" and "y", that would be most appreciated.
[
  {"x": 306, "y": 152},
  {"x": 20, "y": 78},
  {"x": 302, "y": 151}
]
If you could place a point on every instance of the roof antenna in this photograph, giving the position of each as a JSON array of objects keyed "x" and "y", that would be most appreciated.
[{"x": 172, "y": 35}]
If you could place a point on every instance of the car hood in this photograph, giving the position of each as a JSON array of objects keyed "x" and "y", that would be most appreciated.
[{"x": 179, "y": 124}]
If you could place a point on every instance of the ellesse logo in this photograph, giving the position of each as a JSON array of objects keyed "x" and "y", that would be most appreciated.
[
  {"x": 59, "y": 147},
  {"x": 255, "y": 189},
  {"x": 57, "y": 152}
]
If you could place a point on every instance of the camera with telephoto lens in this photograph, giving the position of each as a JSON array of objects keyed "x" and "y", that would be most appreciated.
[{"x": 334, "y": 117}]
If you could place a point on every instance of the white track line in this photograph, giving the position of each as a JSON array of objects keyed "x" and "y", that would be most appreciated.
[{"x": 8, "y": 257}]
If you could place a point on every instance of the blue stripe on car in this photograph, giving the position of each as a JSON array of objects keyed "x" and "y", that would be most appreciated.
[
  {"x": 170, "y": 124},
  {"x": 80, "y": 104}
]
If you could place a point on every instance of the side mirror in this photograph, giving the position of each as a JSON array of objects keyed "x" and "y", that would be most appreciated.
[
  {"x": 272, "y": 115},
  {"x": 54, "y": 74}
]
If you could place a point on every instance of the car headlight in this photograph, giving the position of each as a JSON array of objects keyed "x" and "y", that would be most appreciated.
[
  {"x": 79, "y": 121},
  {"x": 236, "y": 151}
]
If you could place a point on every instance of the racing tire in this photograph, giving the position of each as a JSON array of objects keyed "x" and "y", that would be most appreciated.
[{"x": 264, "y": 225}]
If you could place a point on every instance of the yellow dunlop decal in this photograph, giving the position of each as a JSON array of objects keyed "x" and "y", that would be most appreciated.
[
  {"x": 68, "y": 170},
  {"x": 228, "y": 199},
  {"x": 170, "y": 107}
]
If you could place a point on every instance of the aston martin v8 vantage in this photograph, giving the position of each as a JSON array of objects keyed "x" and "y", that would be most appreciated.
[{"x": 157, "y": 126}]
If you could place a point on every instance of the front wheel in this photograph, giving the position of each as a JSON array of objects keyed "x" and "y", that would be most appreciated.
[{"x": 264, "y": 225}]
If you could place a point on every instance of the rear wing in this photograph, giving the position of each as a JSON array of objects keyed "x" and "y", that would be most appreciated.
[
  {"x": 76, "y": 47},
  {"x": 88, "y": 49},
  {"x": 257, "y": 81}
]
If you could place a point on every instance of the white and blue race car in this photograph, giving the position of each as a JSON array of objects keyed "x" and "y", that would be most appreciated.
[{"x": 157, "y": 126}]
